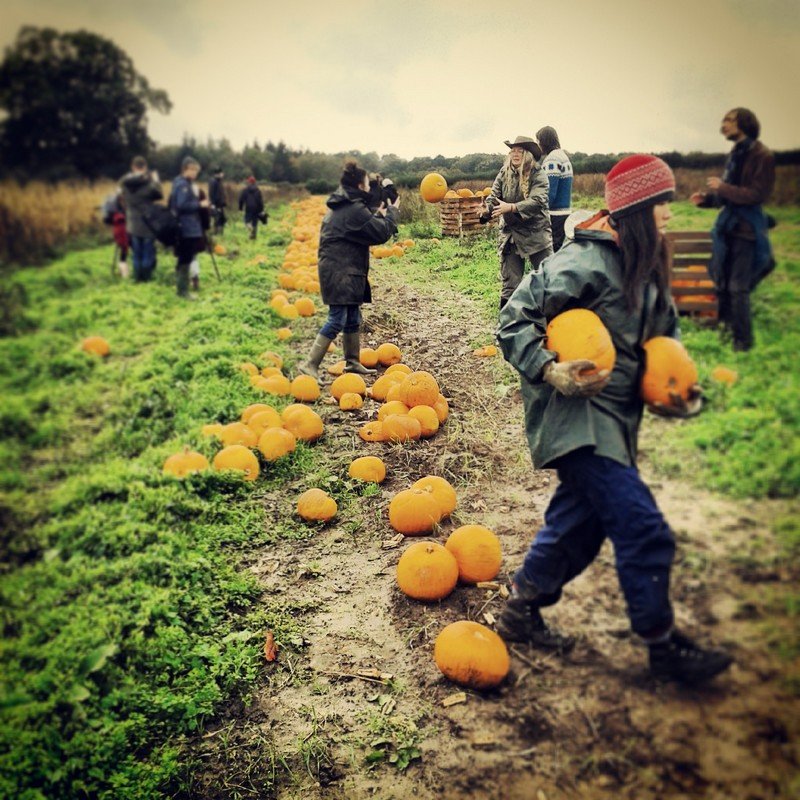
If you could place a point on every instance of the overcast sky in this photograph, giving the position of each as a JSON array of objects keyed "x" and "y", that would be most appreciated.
[{"x": 452, "y": 77}]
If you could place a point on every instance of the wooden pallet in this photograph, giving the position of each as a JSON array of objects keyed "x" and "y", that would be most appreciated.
[
  {"x": 689, "y": 254},
  {"x": 459, "y": 216}
]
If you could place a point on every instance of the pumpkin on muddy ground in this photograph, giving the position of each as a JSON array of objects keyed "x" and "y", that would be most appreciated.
[
  {"x": 441, "y": 490},
  {"x": 419, "y": 389},
  {"x": 368, "y": 357},
  {"x": 278, "y": 385},
  {"x": 477, "y": 551},
  {"x": 471, "y": 655},
  {"x": 305, "y": 389},
  {"x": 580, "y": 334},
  {"x": 427, "y": 418},
  {"x": 305, "y": 424},
  {"x": 401, "y": 428},
  {"x": 372, "y": 432},
  {"x": 348, "y": 382},
  {"x": 350, "y": 401},
  {"x": 185, "y": 462},
  {"x": 389, "y": 354},
  {"x": 315, "y": 505},
  {"x": 367, "y": 468},
  {"x": 284, "y": 333},
  {"x": 239, "y": 459},
  {"x": 392, "y": 407},
  {"x": 427, "y": 571},
  {"x": 669, "y": 370},
  {"x": 413, "y": 512}
]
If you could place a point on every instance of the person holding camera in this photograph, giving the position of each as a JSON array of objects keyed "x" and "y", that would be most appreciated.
[
  {"x": 348, "y": 230},
  {"x": 140, "y": 189},
  {"x": 252, "y": 203},
  {"x": 381, "y": 190},
  {"x": 186, "y": 203},
  {"x": 519, "y": 201}
]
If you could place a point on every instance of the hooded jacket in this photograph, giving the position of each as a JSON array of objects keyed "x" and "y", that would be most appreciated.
[
  {"x": 252, "y": 201},
  {"x": 139, "y": 190},
  {"x": 528, "y": 227},
  {"x": 184, "y": 202},
  {"x": 348, "y": 230},
  {"x": 585, "y": 273}
]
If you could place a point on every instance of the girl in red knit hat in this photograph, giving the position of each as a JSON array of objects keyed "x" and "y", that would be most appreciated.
[{"x": 586, "y": 426}]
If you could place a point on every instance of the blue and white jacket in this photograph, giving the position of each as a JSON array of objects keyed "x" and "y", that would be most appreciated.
[{"x": 558, "y": 169}]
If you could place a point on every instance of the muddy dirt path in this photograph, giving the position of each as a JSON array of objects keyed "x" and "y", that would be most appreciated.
[{"x": 592, "y": 725}]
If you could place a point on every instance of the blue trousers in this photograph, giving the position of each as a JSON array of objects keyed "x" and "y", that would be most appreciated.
[
  {"x": 341, "y": 318},
  {"x": 144, "y": 257},
  {"x": 599, "y": 498}
]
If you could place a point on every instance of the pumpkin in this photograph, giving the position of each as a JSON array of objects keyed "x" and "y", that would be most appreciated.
[
  {"x": 442, "y": 409},
  {"x": 401, "y": 368},
  {"x": 305, "y": 389},
  {"x": 315, "y": 505},
  {"x": 219, "y": 249},
  {"x": 433, "y": 187},
  {"x": 304, "y": 423},
  {"x": 212, "y": 429},
  {"x": 248, "y": 368},
  {"x": 350, "y": 401},
  {"x": 389, "y": 354},
  {"x": 427, "y": 571},
  {"x": 305, "y": 307},
  {"x": 419, "y": 389},
  {"x": 260, "y": 421},
  {"x": 276, "y": 384},
  {"x": 276, "y": 443},
  {"x": 338, "y": 367},
  {"x": 268, "y": 372},
  {"x": 237, "y": 433},
  {"x": 477, "y": 551},
  {"x": 96, "y": 345},
  {"x": 392, "y": 407},
  {"x": 181, "y": 464},
  {"x": 724, "y": 375},
  {"x": 273, "y": 358},
  {"x": 239, "y": 458},
  {"x": 288, "y": 311},
  {"x": 284, "y": 333},
  {"x": 368, "y": 357},
  {"x": 465, "y": 192},
  {"x": 441, "y": 490},
  {"x": 348, "y": 382},
  {"x": 487, "y": 351},
  {"x": 408, "y": 243},
  {"x": 413, "y": 512},
  {"x": 252, "y": 409},
  {"x": 394, "y": 394},
  {"x": 398, "y": 251},
  {"x": 380, "y": 389},
  {"x": 471, "y": 655},
  {"x": 580, "y": 334},
  {"x": 669, "y": 369},
  {"x": 367, "y": 468},
  {"x": 278, "y": 302},
  {"x": 372, "y": 432},
  {"x": 427, "y": 418},
  {"x": 401, "y": 428},
  {"x": 278, "y": 293}
]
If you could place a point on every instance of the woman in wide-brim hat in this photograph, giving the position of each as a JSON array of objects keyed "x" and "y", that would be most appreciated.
[{"x": 519, "y": 200}]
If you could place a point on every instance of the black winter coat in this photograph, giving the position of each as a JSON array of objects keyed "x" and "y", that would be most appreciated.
[
  {"x": 252, "y": 202},
  {"x": 347, "y": 232},
  {"x": 216, "y": 193}
]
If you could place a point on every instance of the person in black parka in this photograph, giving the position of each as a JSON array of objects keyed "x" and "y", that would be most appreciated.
[
  {"x": 216, "y": 196},
  {"x": 251, "y": 201},
  {"x": 348, "y": 230}
]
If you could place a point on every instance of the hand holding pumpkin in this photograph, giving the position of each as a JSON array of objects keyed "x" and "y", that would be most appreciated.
[
  {"x": 678, "y": 407},
  {"x": 570, "y": 378}
]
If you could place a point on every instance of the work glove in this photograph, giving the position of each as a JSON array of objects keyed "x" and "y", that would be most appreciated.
[
  {"x": 566, "y": 377},
  {"x": 678, "y": 407}
]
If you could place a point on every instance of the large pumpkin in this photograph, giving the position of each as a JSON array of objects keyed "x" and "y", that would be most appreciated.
[
  {"x": 580, "y": 334},
  {"x": 433, "y": 187},
  {"x": 414, "y": 512},
  {"x": 316, "y": 506},
  {"x": 237, "y": 458},
  {"x": 305, "y": 389},
  {"x": 389, "y": 354},
  {"x": 669, "y": 369},
  {"x": 441, "y": 490},
  {"x": 181, "y": 464},
  {"x": 427, "y": 571},
  {"x": 471, "y": 655},
  {"x": 427, "y": 418},
  {"x": 477, "y": 551},
  {"x": 275, "y": 443},
  {"x": 401, "y": 428},
  {"x": 238, "y": 433},
  {"x": 349, "y": 382},
  {"x": 419, "y": 389},
  {"x": 367, "y": 468}
]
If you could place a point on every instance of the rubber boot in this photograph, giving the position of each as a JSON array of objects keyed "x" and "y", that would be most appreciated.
[
  {"x": 195, "y": 283},
  {"x": 351, "y": 344},
  {"x": 680, "y": 659},
  {"x": 318, "y": 350},
  {"x": 182, "y": 272}
]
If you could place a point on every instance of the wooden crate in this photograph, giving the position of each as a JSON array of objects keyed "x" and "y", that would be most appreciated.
[
  {"x": 692, "y": 289},
  {"x": 459, "y": 216}
]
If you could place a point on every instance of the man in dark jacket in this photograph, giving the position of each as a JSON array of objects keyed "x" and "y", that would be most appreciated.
[
  {"x": 140, "y": 189},
  {"x": 185, "y": 202},
  {"x": 741, "y": 250},
  {"x": 252, "y": 203},
  {"x": 216, "y": 196}
]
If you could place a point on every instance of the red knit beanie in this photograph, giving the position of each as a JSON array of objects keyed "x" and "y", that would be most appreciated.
[
  {"x": 251, "y": 179},
  {"x": 636, "y": 182}
]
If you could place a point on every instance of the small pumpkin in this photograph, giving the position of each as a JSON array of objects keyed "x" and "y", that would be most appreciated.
[
  {"x": 367, "y": 468},
  {"x": 248, "y": 368},
  {"x": 669, "y": 369},
  {"x": 185, "y": 462},
  {"x": 338, "y": 367},
  {"x": 212, "y": 429},
  {"x": 96, "y": 345},
  {"x": 372, "y": 432},
  {"x": 237, "y": 433},
  {"x": 288, "y": 311},
  {"x": 441, "y": 490},
  {"x": 580, "y": 334},
  {"x": 471, "y": 655},
  {"x": 278, "y": 385},
  {"x": 442, "y": 409},
  {"x": 276, "y": 443},
  {"x": 315, "y": 505},
  {"x": 413, "y": 512},
  {"x": 269, "y": 371},
  {"x": 427, "y": 418},
  {"x": 487, "y": 351},
  {"x": 305, "y": 389},
  {"x": 398, "y": 367},
  {"x": 261, "y": 420},
  {"x": 477, "y": 551},
  {"x": 389, "y": 354},
  {"x": 724, "y": 375},
  {"x": 427, "y": 571},
  {"x": 304, "y": 423},
  {"x": 238, "y": 458},
  {"x": 401, "y": 428},
  {"x": 465, "y": 192},
  {"x": 348, "y": 382},
  {"x": 394, "y": 394},
  {"x": 273, "y": 358},
  {"x": 284, "y": 333},
  {"x": 392, "y": 407},
  {"x": 350, "y": 401},
  {"x": 305, "y": 307},
  {"x": 419, "y": 389},
  {"x": 368, "y": 357},
  {"x": 380, "y": 389},
  {"x": 253, "y": 408}
]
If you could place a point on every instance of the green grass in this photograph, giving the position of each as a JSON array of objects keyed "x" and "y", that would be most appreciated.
[
  {"x": 127, "y": 622},
  {"x": 746, "y": 442}
]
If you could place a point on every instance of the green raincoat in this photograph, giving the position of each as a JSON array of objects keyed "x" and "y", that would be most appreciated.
[{"x": 529, "y": 226}]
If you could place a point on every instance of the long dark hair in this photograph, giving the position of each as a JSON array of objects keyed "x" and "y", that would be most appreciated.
[
  {"x": 644, "y": 256},
  {"x": 548, "y": 139}
]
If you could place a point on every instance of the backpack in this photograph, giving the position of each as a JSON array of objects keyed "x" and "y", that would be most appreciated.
[
  {"x": 162, "y": 222},
  {"x": 109, "y": 207}
]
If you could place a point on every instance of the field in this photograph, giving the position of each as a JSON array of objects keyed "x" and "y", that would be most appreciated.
[{"x": 135, "y": 606}]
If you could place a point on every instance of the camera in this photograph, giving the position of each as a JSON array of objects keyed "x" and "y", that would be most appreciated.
[
  {"x": 381, "y": 191},
  {"x": 486, "y": 216}
]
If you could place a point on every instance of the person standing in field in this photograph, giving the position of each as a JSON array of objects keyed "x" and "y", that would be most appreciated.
[
  {"x": 558, "y": 169},
  {"x": 586, "y": 425},
  {"x": 216, "y": 196},
  {"x": 251, "y": 201},
  {"x": 741, "y": 254},
  {"x": 348, "y": 230},
  {"x": 140, "y": 189},
  {"x": 519, "y": 201},
  {"x": 185, "y": 203}
]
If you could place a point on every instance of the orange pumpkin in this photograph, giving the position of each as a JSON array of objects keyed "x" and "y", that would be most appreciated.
[
  {"x": 401, "y": 368},
  {"x": 260, "y": 421},
  {"x": 276, "y": 443},
  {"x": 212, "y": 429},
  {"x": 96, "y": 345},
  {"x": 268, "y": 372},
  {"x": 181, "y": 464},
  {"x": 669, "y": 370},
  {"x": 305, "y": 389},
  {"x": 419, "y": 389},
  {"x": 350, "y": 401},
  {"x": 477, "y": 551},
  {"x": 305, "y": 307},
  {"x": 427, "y": 418},
  {"x": 288, "y": 311},
  {"x": 389, "y": 354},
  {"x": 252, "y": 409},
  {"x": 433, "y": 187},
  {"x": 465, "y": 192},
  {"x": 349, "y": 382},
  {"x": 427, "y": 571},
  {"x": 442, "y": 409},
  {"x": 248, "y": 368},
  {"x": 338, "y": 367},
  {"x": 237, "y": 458},
  {"x": 278, "y": 385},
  {"x": 273, "y": 358},
  {"x": 472, "y": 655},
  {"x": 368, "y": 357},
  {"x": 380, "y": 389},
  {"x": 487, "y": 351},
  {"x": 315, "y": 505},
  {"x": 413, "y": 512},
  {"x": 284, "y": 333},
  {"x": 401, "y": 428},
  {"x": 372, "y": 432},
  {"x": 580, "y": 334},
  {"x": 394, "y": 394},
  {"x": 441, "y": 491},
  {"x": 368, "y": 468},
  {"x": 725, "y": 375},
  {"x": 219, "y": 249},
  {"x": 304, "y": 423},
  {"x": 392, "y": 407},
  {"x": 237, "y": 433}
]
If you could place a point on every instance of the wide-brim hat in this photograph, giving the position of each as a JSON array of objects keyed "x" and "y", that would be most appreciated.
[{"x": 526, "y": 143}]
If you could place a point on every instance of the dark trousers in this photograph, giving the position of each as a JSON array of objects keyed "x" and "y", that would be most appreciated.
[
  {"x": 557, "y": 224},
  {"x": 512, "y": 268},
  {"x": 599, "y": 498},
  {"x": 144, "y": 257},
  {"x": 185, "y": 251},
  {"x": 733, "y": 291},
  {"x": 342, "y": 318},
  {"x": 251, "y": 223}
]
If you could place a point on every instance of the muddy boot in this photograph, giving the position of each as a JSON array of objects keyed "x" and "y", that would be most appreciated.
[
  {"x": 680, "y": 659},
  {"x": 318, "y": 350},
  {"x": 351, "y": 344}
]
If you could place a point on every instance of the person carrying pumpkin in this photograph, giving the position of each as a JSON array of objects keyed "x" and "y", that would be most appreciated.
[
  {"x": 348, "y": 230},
  {"x": 519, "y": 201},
  {"x": 584, "y": 422}
]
